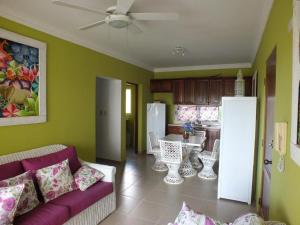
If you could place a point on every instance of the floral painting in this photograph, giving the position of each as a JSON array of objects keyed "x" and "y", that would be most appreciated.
[{"x": 22, "y": 75}]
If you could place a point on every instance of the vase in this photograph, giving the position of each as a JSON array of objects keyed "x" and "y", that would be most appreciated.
[{"x": 186, "y": 135}]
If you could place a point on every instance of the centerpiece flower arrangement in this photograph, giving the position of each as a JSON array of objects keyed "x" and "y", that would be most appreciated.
[{"x": 187, "y": 130}]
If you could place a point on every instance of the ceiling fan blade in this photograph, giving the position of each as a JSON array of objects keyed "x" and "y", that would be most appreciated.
[
  {"x": 154, "y": 16},
  {"x": 74, "y": 6},
  {"x": 133, "y": 28},
  {"x": 98, "y": 23},
  {"x": 123, "y": 6}
]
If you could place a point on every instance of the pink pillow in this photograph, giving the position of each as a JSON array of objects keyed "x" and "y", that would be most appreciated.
[
  {"x": 55, "y": 180},
  {"x": 53, "y": 158},
  {"x": 11, "y": 169},
  {"x": 9, "y": 199},
  {"x": 28, "y": 200},
  {"x": 87, "y": 176}
]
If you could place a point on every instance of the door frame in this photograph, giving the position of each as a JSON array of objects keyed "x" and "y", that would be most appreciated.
[
  {"x": 136, "y": 117},
  {"x": 272, "y": 57}
]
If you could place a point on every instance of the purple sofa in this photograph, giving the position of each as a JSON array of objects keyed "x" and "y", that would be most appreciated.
[{"x": 76, "y": 207}]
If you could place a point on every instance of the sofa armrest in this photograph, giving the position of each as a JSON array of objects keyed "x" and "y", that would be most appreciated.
[{"x": 108, "y": 171}]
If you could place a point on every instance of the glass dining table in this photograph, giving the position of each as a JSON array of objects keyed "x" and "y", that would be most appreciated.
[{"x": 193, "y": 143}]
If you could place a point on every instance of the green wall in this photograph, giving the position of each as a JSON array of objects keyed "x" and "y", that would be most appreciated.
[
  {"x": 168, "y": 97},
  {"x": 285, "y": 194},
  {"x": 71, "y": 82}
]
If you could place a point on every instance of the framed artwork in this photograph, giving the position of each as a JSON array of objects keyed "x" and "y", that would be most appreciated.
[{"x": 22, "y": 79}]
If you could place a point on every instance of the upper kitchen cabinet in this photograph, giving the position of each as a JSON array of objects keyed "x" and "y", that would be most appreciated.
[
  {"x": 248, "y": 86},
  {"x": 189, "y": 92},
  {"x": 178, "y": 91},
  {"x": 163, "y": 85},
  {"x": 215, "y": 91},
  {"x": 201, "y": 92},
  {"x": 228, "y": 86}
]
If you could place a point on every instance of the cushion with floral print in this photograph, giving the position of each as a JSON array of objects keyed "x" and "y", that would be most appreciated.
[
  {"x": 249, "y": 219},
  {"x": 29, "y": 199},
  {"x": 87, "y": 176},
  {"x": 188, "y": 216},
  {"x": 9, "y": 199},
  {"x": 55, "y": 180}
]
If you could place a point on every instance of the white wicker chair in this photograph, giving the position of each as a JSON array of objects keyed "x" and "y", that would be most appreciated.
[
  {"x": 194, "y": 154},
  {"x": 208, "y": 159},
  {"x": 171, "y": 154},
  {"x": 158, "y": 166}
]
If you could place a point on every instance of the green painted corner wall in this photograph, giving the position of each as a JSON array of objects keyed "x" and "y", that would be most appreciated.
[
  {"x": 285, "y": 194},
  {"x": 71, "y": 84},
  {"x": 167, "y": 98}
]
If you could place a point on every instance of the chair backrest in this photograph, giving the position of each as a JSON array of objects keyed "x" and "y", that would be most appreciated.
[
  {"x": 216, "y": 149},
  {"x": 153, "y": 140},
  {"x": 201, "y": 133},
  {"x": 171, "y": 151}
]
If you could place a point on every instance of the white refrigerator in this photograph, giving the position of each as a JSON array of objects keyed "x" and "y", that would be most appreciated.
[
  {"x": 156, "y": 120},
  {"x": 237, "y": 148}
]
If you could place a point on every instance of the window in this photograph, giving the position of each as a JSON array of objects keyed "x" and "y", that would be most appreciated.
[{"x": 128, "y": 101}]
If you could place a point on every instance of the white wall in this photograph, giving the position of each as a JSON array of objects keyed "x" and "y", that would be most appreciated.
[{"x": 108, "y": 118}]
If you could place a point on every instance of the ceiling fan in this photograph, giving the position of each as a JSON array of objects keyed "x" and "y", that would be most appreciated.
[{"x": 119, "y": 16}]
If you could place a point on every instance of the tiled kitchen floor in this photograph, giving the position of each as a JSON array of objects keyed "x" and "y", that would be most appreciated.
[{"x": 144, "y": 199}]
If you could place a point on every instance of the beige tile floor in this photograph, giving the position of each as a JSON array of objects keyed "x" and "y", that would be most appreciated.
[{"x": 144, "y": 199}]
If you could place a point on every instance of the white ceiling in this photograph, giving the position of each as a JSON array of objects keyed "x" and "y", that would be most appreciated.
[{"x": 212, "y": 31}]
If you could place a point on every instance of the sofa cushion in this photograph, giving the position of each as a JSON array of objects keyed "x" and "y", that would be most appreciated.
[
  {"x": 78, "y": 200},
  {"x": 9, "y": 199},
  {"x": 46, "y": 214},
  {"x": 55, "y": 180},
  {"x": 53, "y": 158},
  {"x": 11, "y": 169},
  {"x": 29, "y": 199},
  {"x": 87, "y": 176}
]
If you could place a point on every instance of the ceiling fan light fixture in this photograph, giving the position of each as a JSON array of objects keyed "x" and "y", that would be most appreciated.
[
  {"x": 118, "y": 21},
  {"x": 179, "y": 51}
]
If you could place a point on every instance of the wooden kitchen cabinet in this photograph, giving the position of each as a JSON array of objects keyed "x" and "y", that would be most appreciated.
[
  {"x": 201, "y": 92},
  {"x": 178, "y": 91},
  {"x": 248, "y": 86},
  {"x": 161, "y": 85},
  {"x": 189, "y": 92},
  {"x": 174, "y": 129},
  {"x": 228, "y": 86},
  {"x": 211, "y": 135},
  {"x": 215, "y": 92}
]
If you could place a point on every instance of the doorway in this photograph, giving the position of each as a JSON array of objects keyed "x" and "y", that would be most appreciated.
[
  {"x": 131, "y": 118},
  {"x": 108, "y": 119},
  {"x": 270, "y": 86}
]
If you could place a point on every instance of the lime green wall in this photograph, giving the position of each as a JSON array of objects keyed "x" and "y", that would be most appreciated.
[
  {"x": 285, "y": 194},
  {"x": 71, "y": 82},
  {"x": 168, "y": 97}
]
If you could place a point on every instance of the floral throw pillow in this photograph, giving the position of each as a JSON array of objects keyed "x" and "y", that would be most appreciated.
[
  {"x": 87, "y": 176},
  {"x": 29, "y": 199},
  {"x": 9, "y": 199},
  {"x": 188, "y": 216},
  {"x": 55, "y": 180},
  {"x": 249, "y": 219}
]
